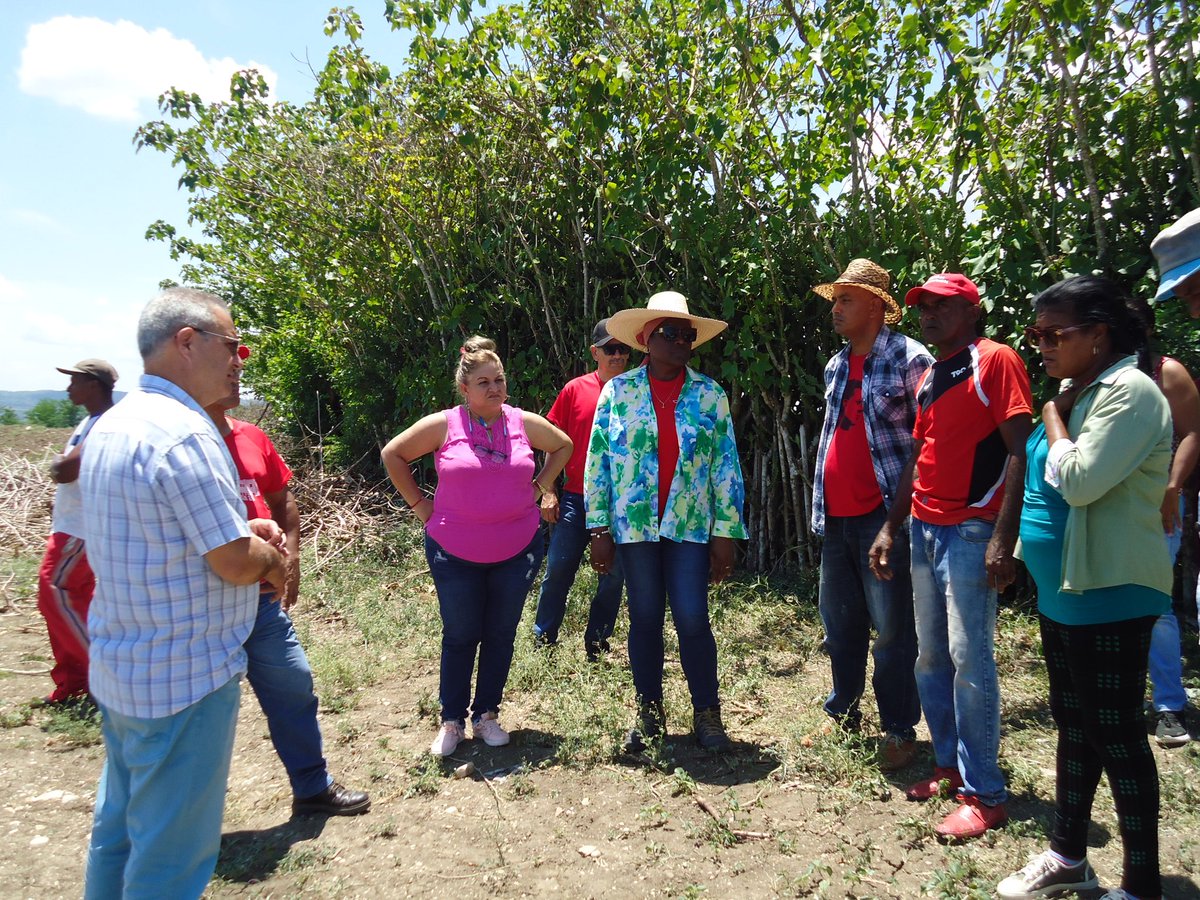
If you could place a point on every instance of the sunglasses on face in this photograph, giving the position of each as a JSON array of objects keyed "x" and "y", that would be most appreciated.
[
  {"x": 1048, "y": 337},
  {"x": 232, "y": 344},
  {"x": 615, "y": 349},
  {"x": 676, "y": 333}
]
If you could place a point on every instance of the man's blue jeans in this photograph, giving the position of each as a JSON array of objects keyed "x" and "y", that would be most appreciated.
[
  {"x": 1166, "y": 662},
  {"x": 156, "y": 829},
  {"x": 956, "y": 663},
  {"x": 279, "y": 672},
  {"x": 481, "y": 606},
  {"x": 851, "y": 601},
  {"x": 658, "y": 573},
  {"x": 568, "y": 539}
]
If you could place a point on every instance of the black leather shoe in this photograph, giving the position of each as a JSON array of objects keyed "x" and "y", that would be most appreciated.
[{"x": 335, "y": 800}]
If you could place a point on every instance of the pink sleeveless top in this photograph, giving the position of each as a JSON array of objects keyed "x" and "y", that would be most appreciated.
[{"x": 483, "y": 508}]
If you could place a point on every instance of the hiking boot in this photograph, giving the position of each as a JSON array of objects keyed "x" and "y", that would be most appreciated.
[
  {"x": 971, "y": 819},
  {"x": 448, "y": 738},
  {"x": 710, "y": 733},
  {"x": 651, "y": 726},
  {"x": 1045, "y": 875},
  {"x": 487, "y": 729},
  {"x": 1172, "y": 729},
  {"x": 896, "y": 753},
  {"x": 932, "y": 787}
]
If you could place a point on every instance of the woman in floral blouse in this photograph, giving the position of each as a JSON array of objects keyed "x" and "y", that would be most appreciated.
[{"x": 663, "y": 483}]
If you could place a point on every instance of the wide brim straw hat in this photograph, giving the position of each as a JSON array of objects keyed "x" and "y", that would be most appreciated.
[
  {"x": 870, "y": 277},
  {"x": 628, "y": 324}
]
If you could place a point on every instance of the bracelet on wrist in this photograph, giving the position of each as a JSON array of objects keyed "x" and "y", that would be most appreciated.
[
  {"x": 597, "y": 534},
  {"x": 418, "y": 503}
]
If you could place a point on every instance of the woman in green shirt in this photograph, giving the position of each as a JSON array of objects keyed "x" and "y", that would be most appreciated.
[{"x": 1091, "y": 535}]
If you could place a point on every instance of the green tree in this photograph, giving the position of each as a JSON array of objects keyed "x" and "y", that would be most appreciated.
[
  {"x": 55, "y": 414},
  {"x": 564, "y": 160},
  {"x": 8, "y": 417}
]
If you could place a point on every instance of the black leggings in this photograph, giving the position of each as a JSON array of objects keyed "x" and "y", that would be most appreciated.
[{"x": 1097, "y": 686}]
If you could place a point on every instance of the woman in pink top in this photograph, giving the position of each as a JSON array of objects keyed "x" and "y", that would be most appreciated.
[{"x": 481, "y": 531}]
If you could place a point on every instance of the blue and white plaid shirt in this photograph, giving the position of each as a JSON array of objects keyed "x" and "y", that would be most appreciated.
[
  {"x": 892, "y": 372},
  {"x": 159, "y": 491}
]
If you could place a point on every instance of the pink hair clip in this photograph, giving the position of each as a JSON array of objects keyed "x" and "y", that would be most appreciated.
[{"x": 462, "y": 351}]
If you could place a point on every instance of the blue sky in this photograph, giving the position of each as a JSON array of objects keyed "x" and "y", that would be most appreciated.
[{"x": 76, "y": 81}]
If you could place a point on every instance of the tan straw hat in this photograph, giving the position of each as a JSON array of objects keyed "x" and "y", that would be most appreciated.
[
  {"x": 870, "y": 277},
  {"x": 628, "y": 324}
]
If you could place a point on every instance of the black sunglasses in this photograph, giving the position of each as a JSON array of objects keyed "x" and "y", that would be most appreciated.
[
  {"x": 1050, "y": 337},
  {"x": 675, "y": 333},
  {"x": 614, "y": 349}
]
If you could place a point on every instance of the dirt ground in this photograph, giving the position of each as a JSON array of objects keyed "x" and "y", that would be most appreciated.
[{"x": 529, "y": 826}]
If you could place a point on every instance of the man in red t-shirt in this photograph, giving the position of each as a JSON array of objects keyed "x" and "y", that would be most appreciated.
[
  {"x": 573, "y": 412},
  {"x": 966, "y": 477},
  {"x": 277, "y": 667}
]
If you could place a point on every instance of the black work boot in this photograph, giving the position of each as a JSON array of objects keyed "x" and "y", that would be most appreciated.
[
  {"x": 710, "y": 733},
  {"x": 651, "y": 726}
]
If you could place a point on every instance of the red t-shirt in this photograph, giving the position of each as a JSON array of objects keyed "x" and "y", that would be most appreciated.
[
  {"x": 261, "y": 470},
  {"x": 573, "y": 412},
  {"x": 850, "y": 485},
  {"x": 664, "y": 395},
  {"x": 961, "y": 404}
]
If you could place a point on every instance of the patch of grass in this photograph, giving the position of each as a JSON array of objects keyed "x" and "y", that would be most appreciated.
[
  {"x": 960, "y": 879},
  {"x": 425, "y": 777},
  {"x": 16, "y": 716},
  {"x": 517, "y": 786},
  {"x": 298, "y": 859},
  {"x": 73, "y": 726}
]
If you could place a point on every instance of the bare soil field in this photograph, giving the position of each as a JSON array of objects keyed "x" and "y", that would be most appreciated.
[{"x": 561, "y": 812}]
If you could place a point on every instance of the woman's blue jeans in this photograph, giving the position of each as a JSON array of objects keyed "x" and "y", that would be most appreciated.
[
  {"x": 658, "y": 573},
  {"x": 481, "y": 607}
]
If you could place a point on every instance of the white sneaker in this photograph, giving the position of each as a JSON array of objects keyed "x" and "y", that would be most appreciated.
[
  {"x": 488, "y": 730},
  {"x": 1045, "y": 875},
  {"x": 448, "y": 738}
]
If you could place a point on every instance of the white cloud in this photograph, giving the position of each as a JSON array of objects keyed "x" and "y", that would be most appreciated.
[
  {"x": 116, "y": 70},
  {"x": 32, "y": 218},
  {"x": 50, "y": 324}
]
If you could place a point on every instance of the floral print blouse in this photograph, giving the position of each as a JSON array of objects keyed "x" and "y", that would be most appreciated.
[{"x": 620, "y": 480}]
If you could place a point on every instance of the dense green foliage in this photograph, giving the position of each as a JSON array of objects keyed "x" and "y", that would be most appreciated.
[
  {"x": 563, "y": 160},
  {"x": 53, "y": 414},
  {"x": 8, "y": 416}
]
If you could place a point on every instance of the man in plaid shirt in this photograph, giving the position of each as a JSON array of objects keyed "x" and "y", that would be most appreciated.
[
  {"x": 870, "y": 397},
  {"x": 177, "y": 571}
]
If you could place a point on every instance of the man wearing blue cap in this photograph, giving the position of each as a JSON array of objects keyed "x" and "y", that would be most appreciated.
[{"x": 1177, "y": 254}]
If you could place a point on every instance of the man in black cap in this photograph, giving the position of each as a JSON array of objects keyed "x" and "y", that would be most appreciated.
[
  {"x": 573, "y": 412},
  {"x": 65, "y": 580}
]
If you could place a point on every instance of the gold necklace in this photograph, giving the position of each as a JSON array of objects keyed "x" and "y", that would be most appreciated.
[{"x": 663, "y": 403}]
